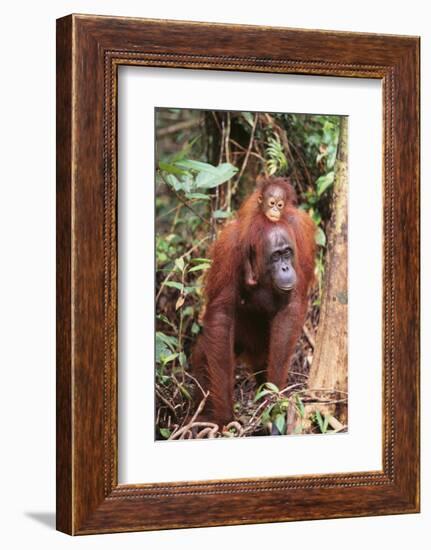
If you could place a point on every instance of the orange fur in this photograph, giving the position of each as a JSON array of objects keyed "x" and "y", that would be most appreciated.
[{"x": 213, "y": 358}]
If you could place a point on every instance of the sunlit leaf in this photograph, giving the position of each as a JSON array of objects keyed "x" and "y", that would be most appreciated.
[
  {"x": 165, "y": 432},
  {"x": 300, "y": 406},
  {"x": 185, "y": 392},
  {"x": 280, "y": 422},
  {"x": 173, "y": 181},
  {"x": 162, "y": 351},
  {"x": 261, "y": 394},
  {"x": 195, "y": 329},
  {"x": 199, "y": 260},
  {"x": 170, "y": 341},
  {"x": 271, "y": 387},
  {"x": 179, "y": 264},
  {"x": 199, "y": 267},
  {"x": 316, "y": 217},
  {"x": 221, "y": 214},
  {"x": 320, "y": 237},
  {"x": 170, "y": 358},
  {"x": 324, "y": 182},
  {"x": 248, "y": 117},
  {"x": 188, "y": 311},
  {"x": 216, "y": 176},
  {"x": 196, "y": 165}
]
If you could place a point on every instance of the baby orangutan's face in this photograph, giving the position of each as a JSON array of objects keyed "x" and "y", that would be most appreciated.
[{"x": 272, "y": 202}]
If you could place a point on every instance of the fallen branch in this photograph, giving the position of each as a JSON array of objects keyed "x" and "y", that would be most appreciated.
[{"x": 177, "y": 433}]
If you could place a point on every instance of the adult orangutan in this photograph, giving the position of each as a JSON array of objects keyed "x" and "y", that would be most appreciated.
[{"x": 256, "y": 294}]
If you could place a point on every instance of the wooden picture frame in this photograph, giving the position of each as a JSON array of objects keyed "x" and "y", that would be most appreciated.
[{"x": 89, "y": 51}]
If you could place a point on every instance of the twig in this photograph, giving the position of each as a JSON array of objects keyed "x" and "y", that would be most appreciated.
[
  {"x": 328, "y": 390},
  {"x": 236, "y": 426},
  {"x": 176, "y": 434},
  {"x": 252, "y": 153},
  {"x": 307, "y": 173},
  {"x": 228, "y": 198},
  {"x": 187, "y": 205},
  {"x": 186, "y": 253},
  {"x": 196, "y": 381},
  {"x": 166, "y": 402},
  {"x": 254, "y": 420},
  {"x": 210, "y": 430},
  {"x": 215, "y": 120},
  {"x": 290, "y": 388},
  {"x": 247, "y": 155},
  {"x": 182, "y": 125},
  {"x": 309, "y": 336},
  {"x": 298, "y": 373}
]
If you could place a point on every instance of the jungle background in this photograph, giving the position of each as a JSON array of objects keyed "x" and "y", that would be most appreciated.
[{"x": 207, "y": 163}]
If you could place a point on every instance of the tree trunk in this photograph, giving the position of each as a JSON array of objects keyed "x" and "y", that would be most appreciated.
[{"x": 329, "y": 366}]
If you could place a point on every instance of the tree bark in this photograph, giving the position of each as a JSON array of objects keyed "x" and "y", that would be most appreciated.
[{"x": 329, "y": 366}]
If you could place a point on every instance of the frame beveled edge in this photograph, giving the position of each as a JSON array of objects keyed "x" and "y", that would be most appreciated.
[{"x": 90, "y": 501}]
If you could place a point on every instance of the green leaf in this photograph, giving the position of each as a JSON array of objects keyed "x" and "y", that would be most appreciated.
[
  {"x": 261, "y": 394},
  {"x": 248, "y": 117},
  {"x": 189, "y": 289},
  {"x": 188, "y": 311},
  {"x": 170, "y": 168},
  {"x": 173, "y": 284},
  {"x": 182, "y": 359},
  {"x": 199, "y": 267},
  {"x": 165, "y": 432},
  {"x": 320, "y": 422},
  {"x": 195, "y": 329},
  {"x": 185, "y": 392},
  {"x": 320, "y": 237},
  {"x": 215, "y": 177},
  {"x": 324, "y": 182},
  {"x": 163, "y": 318},
  {"x": 196, "y": 165},
  {"x": 316, "y": 217},
  {"x": 170, "y": 341},
  {"x": 200, "y": 260},
  {"x": 169, "y": 358},
  {"x": 284, "y": 404},
  {"x": 280, "y": 422},
  {"x": 179, "y": 264},
  {"x": 162, "y": 351},
  {"x": 173, "y": 182},
  {"x": 300, "y": 406},
  {"x": 271, "y": 387},
  {"x": 221, "y": 214},
  {"x": 197, "y": 196},
  {"x": 186, "y": 183}
]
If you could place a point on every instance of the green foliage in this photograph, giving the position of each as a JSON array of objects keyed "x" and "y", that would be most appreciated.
[
  {"x": 322, "y": 422},
  {"x": 275, "y": 412},
  {"x": 193, "y": 177},
  {"x": 276, "y": 162},
  {"x": 165, "y": 433}
]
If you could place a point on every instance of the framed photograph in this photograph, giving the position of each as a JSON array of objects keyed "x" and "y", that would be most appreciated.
[{"x": 237, "y": 274}]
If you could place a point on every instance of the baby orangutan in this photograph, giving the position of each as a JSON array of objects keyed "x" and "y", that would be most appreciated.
[
  {"x": 272, "y": 200},
  {"x": 273, "y": 197}
]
